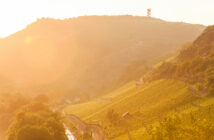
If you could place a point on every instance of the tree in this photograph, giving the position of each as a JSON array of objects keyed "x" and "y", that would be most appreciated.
[
  {"x": 36, "y": 122},
  {"x": 113, "y": 117},
  {"x": 33, "y": 133}
]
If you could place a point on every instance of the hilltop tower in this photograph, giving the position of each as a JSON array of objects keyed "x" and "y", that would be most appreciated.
[{"x": 149, "y": 11}]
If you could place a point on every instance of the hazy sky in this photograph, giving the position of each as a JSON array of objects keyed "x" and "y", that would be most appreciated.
[{"x": 16, "y": 14}]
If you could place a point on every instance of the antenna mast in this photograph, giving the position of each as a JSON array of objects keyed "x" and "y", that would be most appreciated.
[{"x": 149, "y": 11}]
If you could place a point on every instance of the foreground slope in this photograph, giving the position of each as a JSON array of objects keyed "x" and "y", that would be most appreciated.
[{"x": 87, "y": 54}]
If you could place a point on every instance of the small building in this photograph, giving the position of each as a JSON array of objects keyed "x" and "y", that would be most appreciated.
[
  {"x": 127, "y": 115},
  {"x": 140, "y": 82},
  {"x": 68, "y": 101}
]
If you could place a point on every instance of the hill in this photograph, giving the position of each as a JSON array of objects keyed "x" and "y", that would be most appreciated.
[
  {"x": 194, "y": 64},
  {"x": 130, "y": 98},
  {"x": 145, "y": 104},
  {"x": 85, "y": 55},
  {"x": 179, "y": 90}
]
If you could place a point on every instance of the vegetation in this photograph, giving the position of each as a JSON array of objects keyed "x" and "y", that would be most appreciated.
[
  {"x": 194, "y": 65},
  {"x": 198, "y": 125},
  {"x": 179, "y": 123},
  {"x": 9, "y": 104},
  {"x": 145, "y": 104},
  {"x": 36, "y": 122}
]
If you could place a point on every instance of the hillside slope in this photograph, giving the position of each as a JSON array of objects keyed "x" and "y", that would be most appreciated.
[
  {"x": 91, "y": 52},
  {"x": 183, "y": 85},
  {"x": 194, "y": 64},
  {"x": 129, "y": 98},
  {"x": 145, "y": 104}
]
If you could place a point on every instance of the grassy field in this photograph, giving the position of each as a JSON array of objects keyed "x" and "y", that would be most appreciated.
[
  {"x": 206, "y": 110},
  {"x": 147, "y": 104},
  {"x": 155, "y": 97}
]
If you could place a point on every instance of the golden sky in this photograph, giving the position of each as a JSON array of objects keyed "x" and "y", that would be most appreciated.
[{"x": 17, "y": 14}]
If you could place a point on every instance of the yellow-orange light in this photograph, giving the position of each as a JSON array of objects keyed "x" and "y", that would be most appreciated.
[{"x": 28, "y": 39}]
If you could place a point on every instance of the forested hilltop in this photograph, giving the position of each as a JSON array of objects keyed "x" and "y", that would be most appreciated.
[{"x": 85, "y": 56}]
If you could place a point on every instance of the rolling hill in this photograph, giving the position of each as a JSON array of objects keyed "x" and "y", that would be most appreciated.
[
  {"x": 194, "y": 64},
  {"x": 145, "y": 104},
  {"x": 182, "y": 85},
  {"x": 85, "y": 55}
]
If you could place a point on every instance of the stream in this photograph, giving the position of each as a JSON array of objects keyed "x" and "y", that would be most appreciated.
[{"x": 69, "y": 135}]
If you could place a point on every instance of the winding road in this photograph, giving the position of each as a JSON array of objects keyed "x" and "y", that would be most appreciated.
[{"x": 95, "y": 130}]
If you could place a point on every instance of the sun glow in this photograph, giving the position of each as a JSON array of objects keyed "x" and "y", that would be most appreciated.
[
  {"x": 16, "y": 15},
  {"x": 28, "y": 40}
]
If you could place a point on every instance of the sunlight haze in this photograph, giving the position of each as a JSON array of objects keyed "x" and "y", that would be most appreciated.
[
  {"x": 106, "y": 70},
  {"x": 17, "y": 14}
]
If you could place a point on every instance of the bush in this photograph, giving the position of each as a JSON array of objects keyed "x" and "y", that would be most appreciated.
[{"x": 113, "y": 117}]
